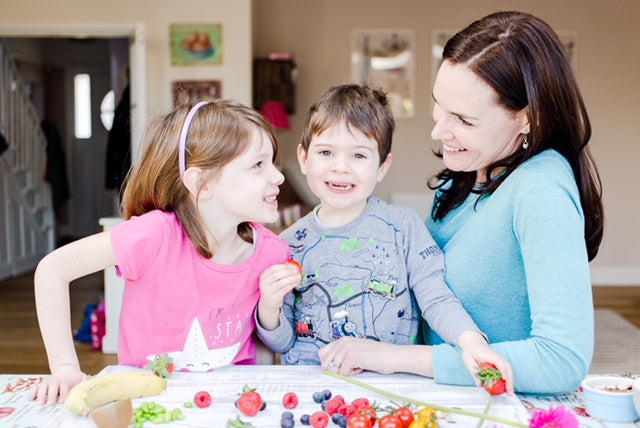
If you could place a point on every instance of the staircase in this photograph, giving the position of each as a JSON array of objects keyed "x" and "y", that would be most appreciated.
[{"x": 27, "y": 229}]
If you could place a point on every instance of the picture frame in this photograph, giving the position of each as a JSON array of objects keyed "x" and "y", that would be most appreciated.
[
  {"x": 201, "y": 90},
  {"x": 196, "y": 44},
  {"x": 385, "y": 59}
]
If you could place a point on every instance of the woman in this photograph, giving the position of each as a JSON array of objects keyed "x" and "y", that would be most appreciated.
[{"x": 517, "y": 210}]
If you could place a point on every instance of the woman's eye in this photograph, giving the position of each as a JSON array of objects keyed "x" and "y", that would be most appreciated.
[{"x": 464, "y": 122}]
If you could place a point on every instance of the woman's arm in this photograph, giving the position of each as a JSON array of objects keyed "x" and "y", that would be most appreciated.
[{"x": 54, "y": 274}]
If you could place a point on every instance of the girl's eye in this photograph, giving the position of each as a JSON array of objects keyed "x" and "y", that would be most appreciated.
[
  {"x": 258, "y": 165},
  {"x": 359, "y": 156},
  {"x": 324, "y": 153}
]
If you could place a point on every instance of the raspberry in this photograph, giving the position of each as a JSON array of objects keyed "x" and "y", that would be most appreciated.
[
  {"x": 290, "y": 400},
  {"x": 202, "y": 399},
  {"x": 319, "y": 420}
]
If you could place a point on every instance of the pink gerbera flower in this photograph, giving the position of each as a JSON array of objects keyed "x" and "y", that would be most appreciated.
[{"x": 554, "y": 418}]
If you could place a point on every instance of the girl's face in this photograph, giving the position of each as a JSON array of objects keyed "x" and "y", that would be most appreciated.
[
  {"x": 342, "y": 167},
  {"x": 474, "y": 130},
  {"x": 246, "y": 189}
]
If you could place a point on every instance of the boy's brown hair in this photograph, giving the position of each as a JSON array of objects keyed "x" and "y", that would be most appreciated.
[{"x": 361, "y": 107}]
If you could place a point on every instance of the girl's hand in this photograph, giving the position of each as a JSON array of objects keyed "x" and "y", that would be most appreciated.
[
  {"x": 275, "y": 283},
  {"x": 476, "y": 351},
  {"x": 56, "y": 389}
]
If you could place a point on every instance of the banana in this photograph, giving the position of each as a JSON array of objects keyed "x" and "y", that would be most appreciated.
[{"x": 100, "y": 390}]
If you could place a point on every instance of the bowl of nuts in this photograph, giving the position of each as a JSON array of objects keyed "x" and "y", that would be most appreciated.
[{"x": 610, "y": 398}]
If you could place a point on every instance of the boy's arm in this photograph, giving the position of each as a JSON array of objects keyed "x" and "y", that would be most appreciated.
[
  {"x": 425, "y": 269},
  {"x": 52, "y": 278}
]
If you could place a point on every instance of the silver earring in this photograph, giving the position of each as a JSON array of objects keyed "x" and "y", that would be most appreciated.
[{"x": 525, "y": 142}]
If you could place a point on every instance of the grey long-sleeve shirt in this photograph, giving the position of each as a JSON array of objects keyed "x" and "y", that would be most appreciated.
[{"x": 372, "y": 278}]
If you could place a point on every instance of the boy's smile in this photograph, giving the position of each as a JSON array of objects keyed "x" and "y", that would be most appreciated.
[{"x": 342, "y": 167}]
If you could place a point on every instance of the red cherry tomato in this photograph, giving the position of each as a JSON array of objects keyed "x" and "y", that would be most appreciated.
[
  {"x": 405, "y": 415},
  {"x": 390, "y": 421},
  {"x": 370, "y": 412},
  {"x": 358, "y": 420}
]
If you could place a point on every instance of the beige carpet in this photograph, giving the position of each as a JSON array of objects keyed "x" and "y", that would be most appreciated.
[{"x": 617, "y": 348}]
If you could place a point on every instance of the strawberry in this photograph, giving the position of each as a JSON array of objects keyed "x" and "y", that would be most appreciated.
[
  {"x": 250, "y": 401},
  {"x": 161, "y": 365},
  {"x": 295, "y": 264},
  {"x": 202, "y": 399},
  {"x": 491, "y": 379},
  {"x": 290, "y": 400}
]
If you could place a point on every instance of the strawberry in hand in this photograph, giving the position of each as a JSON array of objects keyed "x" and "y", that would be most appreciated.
[
  {"x": 295, "y": 264},
  {"x": 491, "y": 379},
  {"x": 161, "y": 365}
]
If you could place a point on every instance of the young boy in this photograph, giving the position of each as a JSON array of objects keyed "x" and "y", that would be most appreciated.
[{"x": 371, "y": 270}]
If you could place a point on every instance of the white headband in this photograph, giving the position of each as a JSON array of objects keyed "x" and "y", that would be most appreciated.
[{"x": 183, "y": 136}]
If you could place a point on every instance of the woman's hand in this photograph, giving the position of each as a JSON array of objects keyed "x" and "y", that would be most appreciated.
[
  {"x": 476, "y": 350},
  {"x": 349, "y": 356},
  {"x": 56, "y": 389},
  {"x": 275, "y": 283}
]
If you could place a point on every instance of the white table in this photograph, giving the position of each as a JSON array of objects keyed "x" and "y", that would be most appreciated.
[{"x": 273, "y": 382}]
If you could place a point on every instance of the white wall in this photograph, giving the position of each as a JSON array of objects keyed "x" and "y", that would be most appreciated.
[{"x": 318, "y": 33}]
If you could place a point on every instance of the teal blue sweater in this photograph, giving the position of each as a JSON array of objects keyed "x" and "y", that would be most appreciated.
[{"x": 518, "y": 262}]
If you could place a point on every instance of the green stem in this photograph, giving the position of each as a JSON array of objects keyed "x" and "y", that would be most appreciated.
[
  {"x": 400, "y": 398},
  {"x": 486, "y": 411}
]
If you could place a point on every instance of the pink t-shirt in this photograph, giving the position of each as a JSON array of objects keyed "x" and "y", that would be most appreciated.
[{"x": 177, "y": 302}]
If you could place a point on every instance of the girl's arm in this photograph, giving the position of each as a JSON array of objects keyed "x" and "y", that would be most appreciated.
[{"x": 52, "y": 278}]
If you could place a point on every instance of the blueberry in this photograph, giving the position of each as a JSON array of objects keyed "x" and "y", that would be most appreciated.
[
  {"x": 264, "y": 406},
  {"x": 318, "y": 397},
  {"x": 327, "y": 394},
  {"x": 287, "y": 414},
  {"x": 287, "y": 423},
  {"x": 304, "y": 419},
  {"x": 337, "y": 417}
]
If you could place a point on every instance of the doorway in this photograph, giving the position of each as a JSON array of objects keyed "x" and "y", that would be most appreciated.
[{"x": 66, "y": 54}]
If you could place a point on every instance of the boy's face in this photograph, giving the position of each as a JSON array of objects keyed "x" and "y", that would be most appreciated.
[{"x": 342, "y": 167}]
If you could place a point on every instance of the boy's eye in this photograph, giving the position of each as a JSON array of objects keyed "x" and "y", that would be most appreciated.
[
  {"x": 359, "y": 156},
  {"x": 324, "y": 153}
]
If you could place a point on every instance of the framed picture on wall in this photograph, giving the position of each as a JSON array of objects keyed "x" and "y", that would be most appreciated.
[
  {"x": 196, "y": 44},
  {"x": 386, "y": 59},
  {"x": 197, "y": 90}
]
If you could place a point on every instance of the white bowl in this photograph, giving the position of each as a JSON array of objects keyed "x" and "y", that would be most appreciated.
[
  {"x": 635, "y": 386},
  {"x": 612, "y": 406}
]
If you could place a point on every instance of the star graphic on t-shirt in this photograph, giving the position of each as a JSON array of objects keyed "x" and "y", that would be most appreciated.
[{"x": 196, "y": 355}]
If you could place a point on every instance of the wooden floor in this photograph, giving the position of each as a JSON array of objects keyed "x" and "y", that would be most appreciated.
[
  {"x": 21, "y": 347},
  {"x": 22, "y": 351}
]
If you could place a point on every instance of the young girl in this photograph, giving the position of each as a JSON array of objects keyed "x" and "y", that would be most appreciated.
[{"x": 191, "y": 251}]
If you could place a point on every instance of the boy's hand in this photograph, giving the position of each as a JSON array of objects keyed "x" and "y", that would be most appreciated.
[
  {"x": 275, "y": 283},
  {"x": 477, "y": 352}
]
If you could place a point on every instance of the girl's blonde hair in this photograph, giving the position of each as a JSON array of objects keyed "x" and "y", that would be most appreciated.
[{"x": 220, "y": 132}]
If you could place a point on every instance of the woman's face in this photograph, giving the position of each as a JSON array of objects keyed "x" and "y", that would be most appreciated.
[{"x": 474, "y": 130}]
